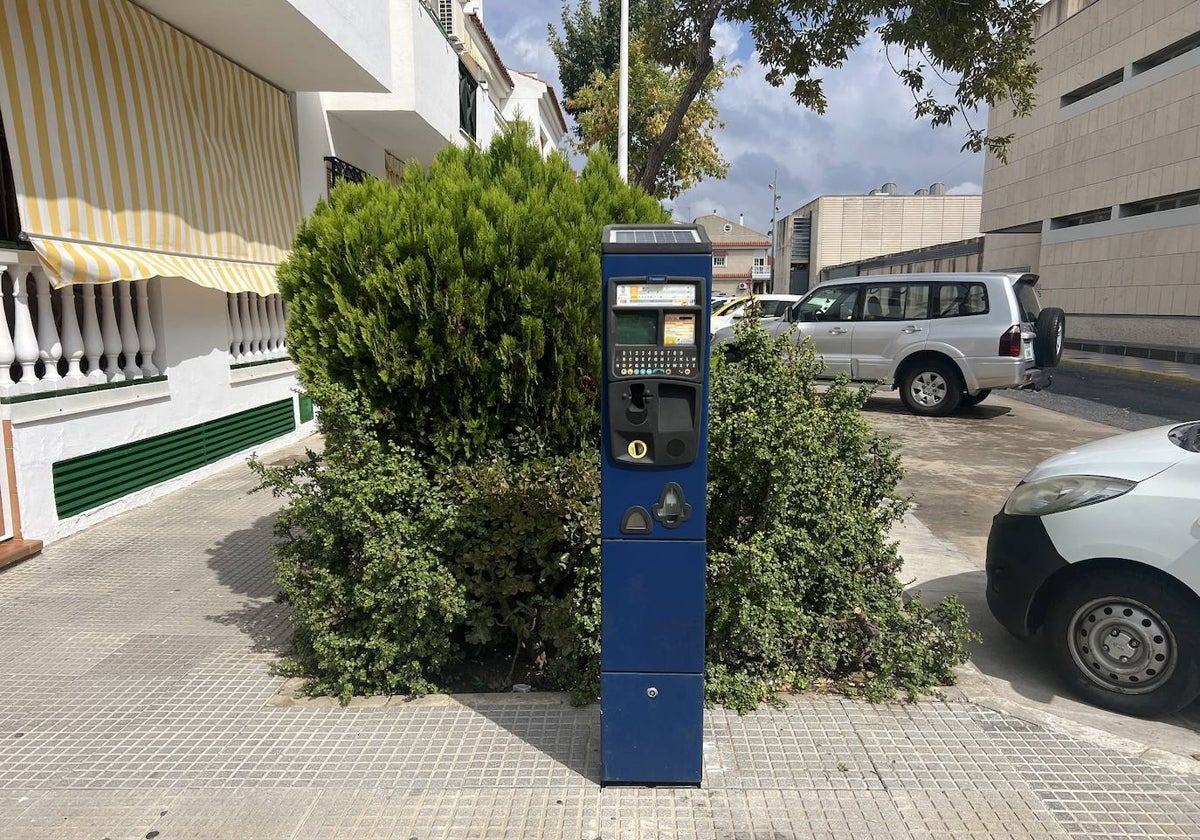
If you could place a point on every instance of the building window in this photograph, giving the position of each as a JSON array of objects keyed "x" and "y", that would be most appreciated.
[
  {"x": 719, "y": 262},
  {"x": 467, "y": 86},
  {"x": 10, "y": 220},
  {"x": 1092, "y": 88},
  {"x": 337, "y": 169},
  {"x": 728, "y": 228},
  {"x": 1183, "y": 45},
  {"x": 1091, "y": 217},
  {"x": 1161, "y": 203},
  {"x": 760, "y": 262}
]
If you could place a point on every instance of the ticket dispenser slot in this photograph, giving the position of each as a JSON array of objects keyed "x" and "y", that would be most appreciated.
[{"x": 654, "y": 414}]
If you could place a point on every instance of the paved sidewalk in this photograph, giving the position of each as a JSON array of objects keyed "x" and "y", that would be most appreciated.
[
  {"x": 1132, "y": 364},
  {"x": 136, "y": 703}
]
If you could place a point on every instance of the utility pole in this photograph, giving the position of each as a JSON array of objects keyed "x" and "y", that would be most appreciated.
[
  {"x": 775, "y": 196},
  {"x": 623, "y": 97}
]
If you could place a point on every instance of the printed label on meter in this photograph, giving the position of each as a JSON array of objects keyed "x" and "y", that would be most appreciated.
[
  {"x": 656, "y": 294},
  {"x": 679, "y": 328}
]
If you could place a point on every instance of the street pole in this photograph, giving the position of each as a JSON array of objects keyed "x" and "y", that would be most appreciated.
[
  {"x": 775, "y": 196},
  {"x": 623, "y": 97}
]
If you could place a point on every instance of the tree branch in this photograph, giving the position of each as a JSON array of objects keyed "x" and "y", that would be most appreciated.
[{"x": 701, "y": 68}]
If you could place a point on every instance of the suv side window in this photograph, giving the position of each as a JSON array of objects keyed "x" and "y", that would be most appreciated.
[
  {"x": 896, "y": 302},
  {"x": 834, "y": 303},
  {"x": 958, "y": 300}
]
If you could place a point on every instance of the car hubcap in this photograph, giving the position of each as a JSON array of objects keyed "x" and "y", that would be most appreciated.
[
  {"x": 928, "y": 389},
  {"x": 1122, "y": 645}
]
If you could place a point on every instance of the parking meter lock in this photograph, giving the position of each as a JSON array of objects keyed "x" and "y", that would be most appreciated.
[{"x": 654, "y": 416}]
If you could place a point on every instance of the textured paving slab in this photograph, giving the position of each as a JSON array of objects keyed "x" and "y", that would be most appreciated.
[{"x": 136, "y": 702}]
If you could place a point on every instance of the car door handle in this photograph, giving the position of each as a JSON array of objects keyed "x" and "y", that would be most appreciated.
[
  {"x": 910, "y": 329},
  {"x": 838, "y": 331}
]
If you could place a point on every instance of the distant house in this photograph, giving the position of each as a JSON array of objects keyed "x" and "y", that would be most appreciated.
[{"x": 741, "y": 255}]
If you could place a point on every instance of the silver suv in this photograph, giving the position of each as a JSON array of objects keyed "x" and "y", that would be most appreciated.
[{"x": 945, "y": 340}]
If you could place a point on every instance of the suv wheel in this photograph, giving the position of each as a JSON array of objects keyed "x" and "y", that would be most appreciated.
[
  {"x": 969, "y": 400},
  {"x": 931, "y": 389},
  {"x": 1127, "y": 642},
  {"x": 1051, "y": 329}
]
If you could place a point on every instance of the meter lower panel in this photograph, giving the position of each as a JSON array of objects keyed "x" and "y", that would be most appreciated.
[{"x": 651, "y": 728}]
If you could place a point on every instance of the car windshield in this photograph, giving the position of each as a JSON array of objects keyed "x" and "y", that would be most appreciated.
[{"x": 1186, "y": 436}]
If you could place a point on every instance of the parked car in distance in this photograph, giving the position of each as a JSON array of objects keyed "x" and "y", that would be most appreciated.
[
  {"x": 944, "y": 340},
  {"x": 770, "y": 306},
  {"x": 1099, "y": 548}
]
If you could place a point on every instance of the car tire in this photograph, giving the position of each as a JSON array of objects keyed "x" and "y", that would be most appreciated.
[
  {"x": 1051, "y": 329},
  {"x": 1149, "y": 618},
  {"x": 931, "y": 389},
  {"x": 970, "y": 400}
]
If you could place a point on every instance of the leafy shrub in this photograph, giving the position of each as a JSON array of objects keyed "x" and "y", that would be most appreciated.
[
  {"x": 463, "y": 305},
  {"x": 801, "y": 575}
]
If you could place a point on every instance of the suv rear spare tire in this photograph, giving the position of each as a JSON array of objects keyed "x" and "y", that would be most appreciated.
[
  {"x": 1051, "y": 329},
  {"x": 931, "y": 388}
]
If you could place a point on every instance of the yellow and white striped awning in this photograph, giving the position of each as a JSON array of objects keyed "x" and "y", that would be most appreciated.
[{"x": 138, "y": 152}]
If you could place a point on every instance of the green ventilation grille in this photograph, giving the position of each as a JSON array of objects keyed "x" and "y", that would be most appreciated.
[{"x": 91, "y": 480}]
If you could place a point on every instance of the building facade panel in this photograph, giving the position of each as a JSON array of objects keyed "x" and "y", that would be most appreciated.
[{"x": 1108, "y": 164}]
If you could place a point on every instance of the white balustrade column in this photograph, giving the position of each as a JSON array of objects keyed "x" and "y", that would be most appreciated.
[
  {"x": 234, "y": 322},
  {"x": 110, "y": 334},
  {"x": 277, "y": 302},
  {"x": 129, "y": 334},
  {"x": 145, "y": 329},
  {"x": 93, "y": 344},
  {"x": 25, "y": 341},
  {"x": 8, "y": 353},
  {"x": 72, "y": 340},
  {"x": 247, "y": 328},
  {"x": 264, "y": 324},
  {"x": 256, "y": 330},
  {"x": 273, "y": 327},
  {"x": 49, "y": 346}
]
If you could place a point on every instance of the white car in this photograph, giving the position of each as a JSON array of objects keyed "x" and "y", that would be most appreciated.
[
  {"x": 1099, "y": 547},
  {"x": 772, "y": 306}
]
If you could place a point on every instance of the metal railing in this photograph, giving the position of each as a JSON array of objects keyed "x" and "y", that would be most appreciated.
[{"x": 337, "y": 169}]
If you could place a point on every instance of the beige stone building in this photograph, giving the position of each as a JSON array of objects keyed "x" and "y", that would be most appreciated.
[
  {"x": 836, "y": 229},
  {"x": 741, "y": 255},
  {"x": 1101, "y": 192},
  {"x": 964, "y": 255}
]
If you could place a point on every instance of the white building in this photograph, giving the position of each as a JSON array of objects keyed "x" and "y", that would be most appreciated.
[{"x": 157, "y": 157}]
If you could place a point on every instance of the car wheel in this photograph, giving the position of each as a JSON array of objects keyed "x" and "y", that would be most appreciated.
[
  {"x": 1127, "y": 642},
  {"x": 1051, "y": 329},
  {"x": 931, "y": 389},
  {"x": 969, "y": 400}
]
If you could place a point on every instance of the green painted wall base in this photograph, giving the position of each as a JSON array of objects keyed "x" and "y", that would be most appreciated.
[{"x": 91, "y": 480}]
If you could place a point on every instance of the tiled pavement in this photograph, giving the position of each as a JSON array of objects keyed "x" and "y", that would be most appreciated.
[{"x": 134, "y": 689}]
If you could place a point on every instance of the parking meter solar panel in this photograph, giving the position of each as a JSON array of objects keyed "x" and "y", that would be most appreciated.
[{"x": 657, "y": 281}]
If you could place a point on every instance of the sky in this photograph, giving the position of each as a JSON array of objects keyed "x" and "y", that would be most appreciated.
[{"x": 866, "y": 137}]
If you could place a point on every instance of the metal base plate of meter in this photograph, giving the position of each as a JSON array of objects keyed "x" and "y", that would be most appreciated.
[{"x": 651, "y": 728}]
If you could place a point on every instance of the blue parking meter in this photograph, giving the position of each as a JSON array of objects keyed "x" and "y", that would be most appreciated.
[{"x": 654, "y": 473}]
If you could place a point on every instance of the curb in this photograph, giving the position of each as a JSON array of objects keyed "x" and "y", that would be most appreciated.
[{"x": 1133, "y": 371}]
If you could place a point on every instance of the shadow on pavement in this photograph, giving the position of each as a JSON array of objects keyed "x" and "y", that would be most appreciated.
[
  {"x": 548, "y": 723},
  {"x": 244, "y": 565},
  {"x": 1021, "y": 664},
  {"x": 890, "y": 404}
]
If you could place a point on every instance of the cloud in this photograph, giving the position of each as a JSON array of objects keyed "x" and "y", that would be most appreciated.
[{"x": 965, "y": 188}]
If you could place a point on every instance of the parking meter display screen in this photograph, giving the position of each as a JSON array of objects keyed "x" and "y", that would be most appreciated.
[
  {"x": 656, "y": 294},
  {"x": 637, "y": 327}
]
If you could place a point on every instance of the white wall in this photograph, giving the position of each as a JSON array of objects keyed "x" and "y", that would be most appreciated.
[
  {"x": 191, "y": 326},
  {"x": 318, "y": 134}
]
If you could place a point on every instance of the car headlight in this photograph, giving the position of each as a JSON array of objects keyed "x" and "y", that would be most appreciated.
[{"x": 1064, "y": 492}]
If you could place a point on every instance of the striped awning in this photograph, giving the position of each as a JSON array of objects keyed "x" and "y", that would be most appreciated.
[{"x": 138, "y": 152}]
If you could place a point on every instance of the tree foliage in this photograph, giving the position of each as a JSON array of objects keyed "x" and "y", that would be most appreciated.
[
  {"x": 653, "y": 90},
  {"x": 980, "y": 50}
]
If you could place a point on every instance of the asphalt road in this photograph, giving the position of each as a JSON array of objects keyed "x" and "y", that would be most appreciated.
[
  {"x": 1124, "y": 401},
  {"x": 960, "y": 469}
]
